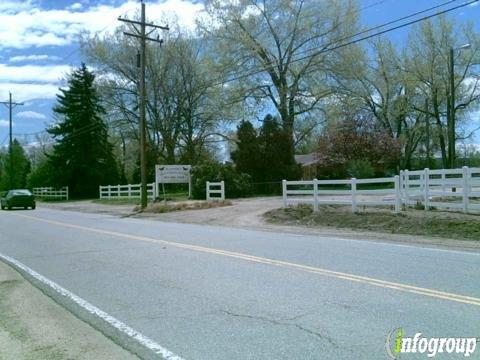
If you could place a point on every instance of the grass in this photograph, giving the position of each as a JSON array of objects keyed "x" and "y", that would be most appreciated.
[
  {"x": 412, "y": 222},
  {"x": 119, "y": 201},
  {"x": 159, "y": 208},
  {"x": 51, "y": 200}
]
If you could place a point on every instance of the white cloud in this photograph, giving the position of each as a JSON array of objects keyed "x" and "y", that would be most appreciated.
[
  {"x": 4, "y": 123},
  {"x": 33, "y": 73},
  {"x": 12, "y": 6},
  {"x": 33, "y": 26},
  {"x": 31, "y": 115},
  {"x": 76, "y": 6},
  {"x": 23, "y": 58},
  {"x": 28, "y": 92}
]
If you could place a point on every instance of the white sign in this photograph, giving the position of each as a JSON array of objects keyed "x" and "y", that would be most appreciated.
[{"x": 172, "y": 174}]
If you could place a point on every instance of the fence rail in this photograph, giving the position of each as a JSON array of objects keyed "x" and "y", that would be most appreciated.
[
  {"x": 130, "y": 191},
  {"x": 217, "y": 189},
  {"x": 310, "y": 193},
  {"x": 51, "y": 193}
]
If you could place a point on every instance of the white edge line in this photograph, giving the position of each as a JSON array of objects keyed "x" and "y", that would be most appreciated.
[{"x": 117, "y": 324}]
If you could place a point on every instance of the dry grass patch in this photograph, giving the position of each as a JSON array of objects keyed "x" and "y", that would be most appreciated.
[
  {"x": 444, "y": 224},
  {"x": 161, "y": 207}
]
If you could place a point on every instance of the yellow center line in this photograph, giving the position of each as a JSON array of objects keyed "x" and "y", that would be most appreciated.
[{"x": 267, "y": 261}]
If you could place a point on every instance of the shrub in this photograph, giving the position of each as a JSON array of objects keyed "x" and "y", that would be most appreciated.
[
  {"x": 360, "y": 169},
  {"x": 236, "y": 184}
]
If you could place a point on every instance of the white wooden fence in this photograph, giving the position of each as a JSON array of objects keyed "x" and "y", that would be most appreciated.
[
  {"x": 51, "y": 193},
  {"x": 218, "y": 190},
  {"x": 130, "y": 191},
  {"x": 310, "y": 193},
  {"x": 444, "y": 188}
]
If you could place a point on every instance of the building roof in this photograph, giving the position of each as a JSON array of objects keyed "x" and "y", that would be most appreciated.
[{"x": 307, "y": 159}]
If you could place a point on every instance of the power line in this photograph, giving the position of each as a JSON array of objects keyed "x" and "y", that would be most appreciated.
[
  {"x": 240, "y": 75},
  {"x": 376, "y": 27},
  {"x": 254, "y": 72}
]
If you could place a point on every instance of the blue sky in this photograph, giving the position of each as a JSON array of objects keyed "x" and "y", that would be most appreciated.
[{"x": 38, "y": 43}]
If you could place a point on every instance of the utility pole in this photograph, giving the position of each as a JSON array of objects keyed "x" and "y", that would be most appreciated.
[
  {"x": 451, "y": 104},
  {"x": 10, "y": 105},
  {"x": 427, "y": 133},
  {"x": 451, "y": 115},
  {"x": 142, "y": 35}
]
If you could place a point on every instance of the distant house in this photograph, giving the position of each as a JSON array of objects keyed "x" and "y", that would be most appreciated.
[{"x": 309, "y": 164}]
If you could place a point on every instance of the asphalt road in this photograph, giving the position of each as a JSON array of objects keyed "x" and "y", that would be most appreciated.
[{"x": 207, "y": 292}]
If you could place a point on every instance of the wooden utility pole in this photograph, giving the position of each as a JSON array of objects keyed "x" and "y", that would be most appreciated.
[
  {"x": 427, "y": 133},
  {"x": 10, "y": 105},
  {"x": 142, "y": 35},
  {"x": 451, "y": 115}
]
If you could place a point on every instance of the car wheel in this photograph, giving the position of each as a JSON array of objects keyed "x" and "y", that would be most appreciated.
[
  {"x": 33, "y": 207},
  {"x": 9, "y": 208}
]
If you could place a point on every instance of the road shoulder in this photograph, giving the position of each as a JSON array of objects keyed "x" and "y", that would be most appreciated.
[{"x": 33, "y": 326}]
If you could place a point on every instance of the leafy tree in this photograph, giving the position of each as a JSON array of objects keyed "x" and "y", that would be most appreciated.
[
  {"x": 427, "y": 61},
  {"x": 354, "y": 146},
  {"x": 284, "y": 42},
  {"x": 16, "y": 177},
  {"x": 41, "y": 175},
  {"x": 184, "y": 103},
  {"x": 82, "y": 157}
]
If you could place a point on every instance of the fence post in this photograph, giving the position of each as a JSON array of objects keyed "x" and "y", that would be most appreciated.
[
  {"x": 223, "y": 189},
  {"x": 315, "y": 195},
  {"x": 354, "y": 194},
  {"x": 284, "y": 193},
  {"x": 398, "y": 194},
  {"x": 406, "y": 184},
  {"x": 426, "y": 185},
  {"x": 402, "y": 181},
  {"x": 444, "y": 180},
  {"x": 208, "y": 190},
  {"x": 466, "y": 187}
]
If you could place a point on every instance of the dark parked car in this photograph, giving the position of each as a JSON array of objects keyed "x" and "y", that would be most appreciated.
[{"x": 17, "y": 198}]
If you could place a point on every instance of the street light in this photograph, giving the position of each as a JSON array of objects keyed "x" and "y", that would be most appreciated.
[{"x": 451, "y": 112}]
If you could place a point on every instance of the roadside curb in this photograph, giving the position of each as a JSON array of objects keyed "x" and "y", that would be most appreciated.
[{"x": 120, "y": 333}]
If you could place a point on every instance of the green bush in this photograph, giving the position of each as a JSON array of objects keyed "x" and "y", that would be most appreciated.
[
  {"x": 236, "y": 184},
  {"x": 360, "y": 169}
]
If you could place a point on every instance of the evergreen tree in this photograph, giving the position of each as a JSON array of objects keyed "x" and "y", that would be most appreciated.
[
  {"x": 277, "y": 157},
  {"x": 82, "y": 158},
  {"x": 265, "y": 155},
  {"x": 247, "y": 156},
  {"x": 15, "y": 178}
]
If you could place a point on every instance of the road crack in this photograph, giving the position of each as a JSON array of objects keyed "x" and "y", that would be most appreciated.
[{"x": 285, "y": 322}]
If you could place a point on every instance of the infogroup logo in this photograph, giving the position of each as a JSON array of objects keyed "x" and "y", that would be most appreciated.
[{"x": 397, "y": 344}]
